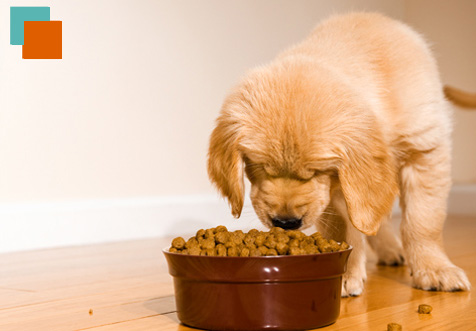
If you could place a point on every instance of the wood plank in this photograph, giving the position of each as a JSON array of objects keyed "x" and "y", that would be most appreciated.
[
  {"x": 78, "y": 265},
  {"x": 159, "y": 322},
  {"x": 74, "y": 313},
  {"x": 14, "y": 299}
]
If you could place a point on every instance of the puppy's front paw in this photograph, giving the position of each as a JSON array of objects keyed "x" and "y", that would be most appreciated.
[
  {"x": 352, "y": 286},
  {"x": 449, "y": 278}
]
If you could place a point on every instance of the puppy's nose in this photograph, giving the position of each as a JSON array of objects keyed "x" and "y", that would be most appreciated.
[{"x": 287, "y": 223}]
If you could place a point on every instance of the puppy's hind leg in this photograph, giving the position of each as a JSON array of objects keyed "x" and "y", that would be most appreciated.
[
  {"x": 425, "y": 183},
  {"x": 387, "y": 245}
]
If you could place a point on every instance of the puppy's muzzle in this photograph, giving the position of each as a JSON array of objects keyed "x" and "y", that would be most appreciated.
[{"x": 287, "y": 223}]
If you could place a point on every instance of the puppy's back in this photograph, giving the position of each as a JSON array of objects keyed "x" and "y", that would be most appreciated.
[{"x": 382, "y": 59}]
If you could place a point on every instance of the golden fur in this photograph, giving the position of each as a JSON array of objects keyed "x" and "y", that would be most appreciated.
[
  {"x": 332, "y": 131},
  {"x": 460, "y": 98}
]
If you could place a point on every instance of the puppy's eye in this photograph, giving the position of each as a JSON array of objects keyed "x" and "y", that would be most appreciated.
[
  {"x": 306, "y": 174},
  {"x": 271, "y": 171},
  {"x": 301, "y": 205},
  {"x": 324, "y": 172},
  {"x": 270, "y": 205}
]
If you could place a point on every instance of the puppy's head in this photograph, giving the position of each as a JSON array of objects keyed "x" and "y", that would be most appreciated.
[{"x": 298, "y": 137}]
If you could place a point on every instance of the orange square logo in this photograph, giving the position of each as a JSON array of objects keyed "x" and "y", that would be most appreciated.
[{"x": 43, "y": 40}]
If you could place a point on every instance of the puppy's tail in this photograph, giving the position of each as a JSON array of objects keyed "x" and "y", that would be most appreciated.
[{"x": 460, "y": 98}]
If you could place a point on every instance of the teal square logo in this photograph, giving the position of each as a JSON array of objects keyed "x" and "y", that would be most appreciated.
[{"x": 18, "y": 15}]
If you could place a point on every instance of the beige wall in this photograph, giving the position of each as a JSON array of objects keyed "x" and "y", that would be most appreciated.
[
  {"x": 451, "y": 27},
  {"x": 129, "y": 109}
]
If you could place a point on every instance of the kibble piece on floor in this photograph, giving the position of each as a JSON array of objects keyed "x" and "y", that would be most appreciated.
[
  {"x": 424, "y": 309},
  {"x": 394, "y": 327}
]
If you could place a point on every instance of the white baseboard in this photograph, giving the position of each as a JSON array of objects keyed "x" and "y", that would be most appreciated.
[{"x": 46, "y": 225}]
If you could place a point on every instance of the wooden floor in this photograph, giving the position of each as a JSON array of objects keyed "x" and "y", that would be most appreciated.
[{"x": 126, "y": 286}]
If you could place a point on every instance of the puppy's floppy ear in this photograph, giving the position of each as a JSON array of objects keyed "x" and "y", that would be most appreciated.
[
  {"x": 225, "y": 162},
  {"x": 368, "y": 179}
]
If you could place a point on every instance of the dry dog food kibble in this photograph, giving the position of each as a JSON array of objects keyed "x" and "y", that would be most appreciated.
[
  {"x": 178, "y": 243},
  {"x": 394, "y": 327},
  {"x": 424, "y": 309},
  {"x": 220, "y": 242}
]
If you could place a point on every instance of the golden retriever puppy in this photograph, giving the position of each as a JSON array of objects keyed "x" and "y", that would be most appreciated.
[{"x": 332, "y": 131}]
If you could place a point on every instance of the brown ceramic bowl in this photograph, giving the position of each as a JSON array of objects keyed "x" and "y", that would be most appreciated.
[{"x": 258, "y": 293}]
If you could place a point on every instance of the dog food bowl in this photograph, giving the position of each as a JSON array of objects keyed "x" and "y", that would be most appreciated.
[{"x": 258, "y": 293}]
